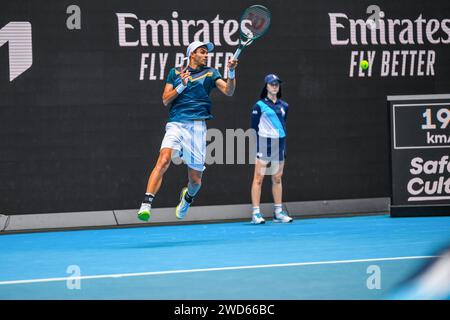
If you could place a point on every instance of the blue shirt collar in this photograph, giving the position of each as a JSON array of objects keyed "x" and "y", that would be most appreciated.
[
  {"x": 271, "y": 102},
  {"x": 198, "y": 69}
]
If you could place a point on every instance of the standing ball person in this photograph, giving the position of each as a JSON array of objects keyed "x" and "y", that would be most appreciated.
[
  {"x": 269, "y": 121},
  {"x": 187, "y": 93}
]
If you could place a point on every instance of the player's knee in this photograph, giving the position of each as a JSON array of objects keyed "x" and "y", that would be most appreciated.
[
  {"x": 258, "y": 180},
  {"x": 276, "y": 179},
  {"x": 195, "y": 177},
  {"x": 163, "y": 163}
]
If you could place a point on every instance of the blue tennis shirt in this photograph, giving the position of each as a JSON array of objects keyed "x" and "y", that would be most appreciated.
[
  {"x": 194, "y": 102},
  {"x": 269, "y": 119}
]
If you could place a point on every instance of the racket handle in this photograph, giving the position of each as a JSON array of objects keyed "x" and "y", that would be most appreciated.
[{"x": 237, "y": 53}]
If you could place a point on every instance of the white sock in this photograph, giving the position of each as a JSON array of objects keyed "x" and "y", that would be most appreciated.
[
  {"x": 278, "y": 208},
  {"x": 256, "y": 210}
]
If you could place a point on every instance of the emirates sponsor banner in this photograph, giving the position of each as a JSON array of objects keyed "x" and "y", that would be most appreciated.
[{"x": 82, "y": 119}]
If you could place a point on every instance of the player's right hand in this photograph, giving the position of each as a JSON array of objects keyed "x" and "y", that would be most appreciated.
[
  {"x": 185, "y": 74},
  {"x": 232, "y": 64}
]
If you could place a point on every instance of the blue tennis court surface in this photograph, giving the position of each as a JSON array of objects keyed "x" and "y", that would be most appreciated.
[{"x": 326, "y": 258}]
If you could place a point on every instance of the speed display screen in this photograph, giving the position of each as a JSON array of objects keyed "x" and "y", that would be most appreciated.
[{"x": 420, "y": 153}]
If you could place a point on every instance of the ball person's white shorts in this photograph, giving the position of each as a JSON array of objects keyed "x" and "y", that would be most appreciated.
[{"x": 189, "y": 139}]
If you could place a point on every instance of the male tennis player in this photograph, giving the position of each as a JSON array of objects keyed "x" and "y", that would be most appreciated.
[
  {"x": 187, "y": 93},
  {"x": 269, "y": 116}
]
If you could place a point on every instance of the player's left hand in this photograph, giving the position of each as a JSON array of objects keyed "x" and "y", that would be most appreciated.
[{"x": 232, "y": 64}]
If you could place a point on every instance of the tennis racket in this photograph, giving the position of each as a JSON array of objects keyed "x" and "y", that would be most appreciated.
[{"x": 254, "y": 23}]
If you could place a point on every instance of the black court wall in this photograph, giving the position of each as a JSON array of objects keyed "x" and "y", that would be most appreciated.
[{"x": 81, "y": 117}]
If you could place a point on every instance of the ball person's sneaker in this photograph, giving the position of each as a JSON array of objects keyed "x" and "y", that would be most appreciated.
[
  {"x": 144, "y": 212},
  {"x": 183, "y": 207},
  {"x": 257, "y": 218},
  {"x": 281, "y": 217}
]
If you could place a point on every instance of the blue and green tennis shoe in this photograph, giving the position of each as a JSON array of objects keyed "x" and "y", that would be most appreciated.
[{"x": 182, "y": 207}]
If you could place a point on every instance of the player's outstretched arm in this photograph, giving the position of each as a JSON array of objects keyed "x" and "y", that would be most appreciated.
[{"x": 228, "y": 87}]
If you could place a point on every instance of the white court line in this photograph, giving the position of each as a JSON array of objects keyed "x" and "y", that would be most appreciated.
[{"x": 140, "y": 274}]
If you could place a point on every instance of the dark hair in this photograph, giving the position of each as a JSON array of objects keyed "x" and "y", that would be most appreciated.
[{"x": 264, "y": 92}]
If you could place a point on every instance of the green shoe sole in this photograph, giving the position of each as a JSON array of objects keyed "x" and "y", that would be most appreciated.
[{"x": 144, "y": 216}]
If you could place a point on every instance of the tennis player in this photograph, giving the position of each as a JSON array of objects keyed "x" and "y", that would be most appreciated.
[
  {"x": 269, "y": 116},
  {"x": 187, "y": 93}
]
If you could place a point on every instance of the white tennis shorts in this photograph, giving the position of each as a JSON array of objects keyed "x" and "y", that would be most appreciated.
[{"x": 188, "y": 138}]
